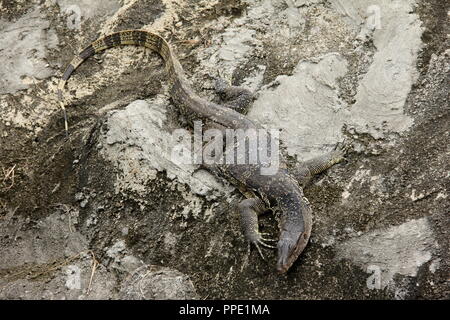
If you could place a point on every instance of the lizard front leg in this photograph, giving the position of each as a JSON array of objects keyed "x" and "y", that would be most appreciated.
[
  {"x": 236, "y": 98},
  {"x": 305, "y": 171},
  {"x": 249, "y": 210}
]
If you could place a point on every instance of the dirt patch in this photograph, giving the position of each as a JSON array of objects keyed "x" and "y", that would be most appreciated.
[{"x": 434, "y": 16}]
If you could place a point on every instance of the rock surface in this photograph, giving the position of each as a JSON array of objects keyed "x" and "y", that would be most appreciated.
[{"x": 107, "y": 213}]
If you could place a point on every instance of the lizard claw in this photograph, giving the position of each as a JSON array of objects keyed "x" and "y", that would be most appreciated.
[
  {"x": 267, "y": 239},
  {"x": 259, "y": 250},
  {"x": 341, "y": 149},
  {"x": 344, "y": 146},
  {"x": 260, "y": 241}
]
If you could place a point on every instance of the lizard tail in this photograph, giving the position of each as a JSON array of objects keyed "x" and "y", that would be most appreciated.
[{"x": 126, "y": 37}]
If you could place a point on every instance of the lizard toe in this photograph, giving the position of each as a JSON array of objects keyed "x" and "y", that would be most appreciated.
[
  {"x": 259, "y": 250},
  {"x": 264, "y": 234},
  {"x": 262, "y": 242}
]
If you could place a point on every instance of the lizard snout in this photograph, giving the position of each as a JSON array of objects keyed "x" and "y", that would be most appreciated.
[{"x": 285, "y": 249}]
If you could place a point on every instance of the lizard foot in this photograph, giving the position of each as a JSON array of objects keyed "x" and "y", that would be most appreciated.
[
  {"x": 221, "y": 85},
  {"x": 249, "y": 209},
  {"x": 341, "y": 150},
  {"x": 234, "y": 97}
]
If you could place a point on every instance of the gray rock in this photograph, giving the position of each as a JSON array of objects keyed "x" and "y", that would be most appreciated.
[
  {"x": 400, "y": 250},
  {"x": 24, "y": 49},
  {"x": 151, "y": 283}
]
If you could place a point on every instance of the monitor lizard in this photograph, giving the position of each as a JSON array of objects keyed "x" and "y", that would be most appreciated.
[{"x": 281, "y": 192}]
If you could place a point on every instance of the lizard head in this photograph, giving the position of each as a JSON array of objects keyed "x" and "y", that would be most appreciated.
[
  {"x": 295, "y": 232},
  {"x": 289, "y": 249}
]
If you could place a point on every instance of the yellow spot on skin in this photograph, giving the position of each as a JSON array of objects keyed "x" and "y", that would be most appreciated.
[
  {"x": 99, "y": 45},
  {"x": 76, "y": 62}
]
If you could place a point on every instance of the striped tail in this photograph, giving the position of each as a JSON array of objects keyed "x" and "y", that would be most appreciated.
[{"x": 127, "y": 37}]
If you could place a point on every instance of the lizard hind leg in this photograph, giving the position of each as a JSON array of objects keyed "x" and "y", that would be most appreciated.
[
  {"x": 235, "y": 97},
  {"x": 305, "y": 171},
  {"x": 249, "y": 210}
]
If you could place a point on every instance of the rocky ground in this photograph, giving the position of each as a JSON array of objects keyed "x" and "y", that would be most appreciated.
[{"x": 105, "y": 214}]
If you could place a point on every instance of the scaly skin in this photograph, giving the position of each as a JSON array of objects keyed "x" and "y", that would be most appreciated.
[{"x": 279, "y": 191}]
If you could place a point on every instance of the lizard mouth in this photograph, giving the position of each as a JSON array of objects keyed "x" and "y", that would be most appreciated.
[
  {"x": 282, "y": 268},
  {"x": 288, "y": 251}
]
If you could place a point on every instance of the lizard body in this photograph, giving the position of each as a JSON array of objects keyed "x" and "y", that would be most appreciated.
[{"x": 280, "y": 190}]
